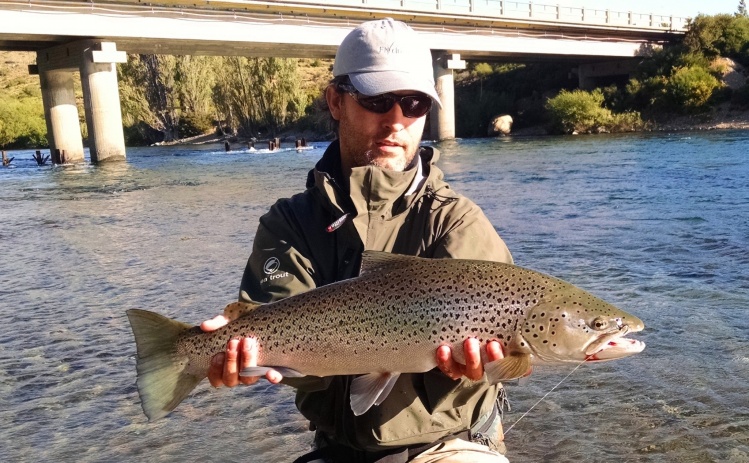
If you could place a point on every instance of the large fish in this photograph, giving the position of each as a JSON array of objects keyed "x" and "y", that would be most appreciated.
[{"x": 387, "y": 321}]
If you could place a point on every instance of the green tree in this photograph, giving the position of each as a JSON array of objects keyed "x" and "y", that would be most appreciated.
[
  {"x": 259, "y": 93},
  {"x": 195, "y": 78},
  {"x": 149, "y": 93},
  {"x": 720, "y": 35}
]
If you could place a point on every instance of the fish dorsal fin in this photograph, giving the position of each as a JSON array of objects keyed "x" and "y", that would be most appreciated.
[
  {"x": 237, "y": 309},
  {"x": 378, "y": 261}
]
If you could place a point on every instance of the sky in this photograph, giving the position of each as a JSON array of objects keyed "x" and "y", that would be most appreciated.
[{"x": 680, "y": 8}]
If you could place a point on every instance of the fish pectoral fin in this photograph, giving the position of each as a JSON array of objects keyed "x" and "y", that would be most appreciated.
[
  {"x": 512, "y": 367},
  {"x": 286, "y": 372},
  {"x": 371, "y": 389}
]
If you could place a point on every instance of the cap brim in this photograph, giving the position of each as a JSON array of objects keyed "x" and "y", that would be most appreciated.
[{"x": 375, "y": 83}]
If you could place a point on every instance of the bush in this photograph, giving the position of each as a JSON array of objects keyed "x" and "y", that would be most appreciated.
[
  {"x": 191, "y": 125},
  {"x": 583, "y": 112},
  {"x": 577, "y": 111},
  {"x": 22, "y": 123},
  {"x": 690, "y": 88}
]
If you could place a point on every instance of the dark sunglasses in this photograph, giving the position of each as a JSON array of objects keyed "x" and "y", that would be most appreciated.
[{"x": 412, "y": 106}]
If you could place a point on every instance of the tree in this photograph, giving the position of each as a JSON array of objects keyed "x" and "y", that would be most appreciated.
[
  {"x": 148, "y": 88},
  {"x": 195, "y": 78},
  {"x": 259, "y": 93},
  {"x": 742, "y": 8}
]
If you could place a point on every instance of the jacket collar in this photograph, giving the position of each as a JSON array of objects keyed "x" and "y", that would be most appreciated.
[{"x": 330, "y": 165}]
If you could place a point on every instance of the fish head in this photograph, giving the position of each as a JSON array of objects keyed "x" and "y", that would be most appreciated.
[{"x": 571, "y": 325}]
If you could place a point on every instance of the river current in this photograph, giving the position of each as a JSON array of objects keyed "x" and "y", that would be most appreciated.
[{"x": 657, "y": 224}]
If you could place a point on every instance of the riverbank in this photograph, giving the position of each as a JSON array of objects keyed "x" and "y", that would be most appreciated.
[{"x": 720, "y": 118}]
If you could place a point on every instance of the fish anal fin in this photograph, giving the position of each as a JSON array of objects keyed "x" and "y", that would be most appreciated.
[
  {"x": 512, "y": 367},
  {"x": 371, "y": 389},
  {"x": 262, "y": 370}
]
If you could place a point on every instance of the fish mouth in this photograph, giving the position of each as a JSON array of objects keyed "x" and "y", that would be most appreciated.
[{"x": 613, "y": 346}]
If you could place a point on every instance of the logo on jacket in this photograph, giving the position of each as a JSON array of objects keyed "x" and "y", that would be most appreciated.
[{"x": 271, "y": 266}]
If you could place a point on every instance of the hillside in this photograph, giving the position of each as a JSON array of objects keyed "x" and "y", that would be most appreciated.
[{"x": 15, "y": 80}]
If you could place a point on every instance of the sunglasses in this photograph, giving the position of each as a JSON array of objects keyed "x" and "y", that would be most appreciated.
[{"x": 412, "y": 106}]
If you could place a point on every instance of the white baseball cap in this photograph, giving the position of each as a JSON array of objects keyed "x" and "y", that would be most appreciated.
[{"x": 386, "y": 56}]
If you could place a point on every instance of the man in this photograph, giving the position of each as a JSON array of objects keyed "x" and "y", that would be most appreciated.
[{"x": 376, "y": 189}]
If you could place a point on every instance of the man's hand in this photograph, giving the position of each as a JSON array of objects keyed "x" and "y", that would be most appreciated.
[
  {"x": 473, "y": 368},
  {"x": 240, "y": 354}
]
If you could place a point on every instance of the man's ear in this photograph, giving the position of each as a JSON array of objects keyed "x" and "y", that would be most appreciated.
[{"x": 335, "y": 100}]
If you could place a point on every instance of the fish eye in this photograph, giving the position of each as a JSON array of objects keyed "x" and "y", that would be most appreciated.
[{"x": 600, "y": 323}]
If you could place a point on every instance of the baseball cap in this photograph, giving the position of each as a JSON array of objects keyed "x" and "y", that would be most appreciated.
[{"x": 386, "y": 56}]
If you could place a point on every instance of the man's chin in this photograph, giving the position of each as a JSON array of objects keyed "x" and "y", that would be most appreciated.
[{"x": 390, "y": 160}]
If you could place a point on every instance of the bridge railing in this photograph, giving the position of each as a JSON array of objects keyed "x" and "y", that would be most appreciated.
[{"x": 522, "y": 10}]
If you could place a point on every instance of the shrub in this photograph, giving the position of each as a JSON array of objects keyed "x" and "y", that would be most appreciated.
[
  {"x": 690, "y": 88},
  {"x": 583, "y": 112},
  {"x": 577, "y": 111},
  {"x": 22, "y": 123}
]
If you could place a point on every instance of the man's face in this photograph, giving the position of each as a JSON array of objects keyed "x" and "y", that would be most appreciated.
[{"x": 388, "y": 140}]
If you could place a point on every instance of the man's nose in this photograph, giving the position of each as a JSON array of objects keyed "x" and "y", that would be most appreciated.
[{"x": 394, "y": 118}]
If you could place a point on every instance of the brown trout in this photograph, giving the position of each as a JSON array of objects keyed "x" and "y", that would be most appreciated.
[{"x": 390, "y": 320}]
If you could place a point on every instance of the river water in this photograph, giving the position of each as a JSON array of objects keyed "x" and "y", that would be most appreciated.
[{"x": 656, "y": 224}]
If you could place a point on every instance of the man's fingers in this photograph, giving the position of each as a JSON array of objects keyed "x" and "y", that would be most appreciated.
[
  {"x": 273, "y": 376},
  {"x": 214, "y": 323},
  {"x": 446, "y": 363},
  {"x": 248, "y": 358},
  {"x": 472, "y": 349},
  {"x": 216, "y": 370},
  {"x": 494, "y": 351},
  {"x": 231, "y": 367}
]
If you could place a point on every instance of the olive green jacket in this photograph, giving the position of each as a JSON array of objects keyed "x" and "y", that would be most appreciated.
[{"x": 317, "y": 237}]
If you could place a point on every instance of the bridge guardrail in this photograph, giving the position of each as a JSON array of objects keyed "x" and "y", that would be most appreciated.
[{"x": 517, "y": 10}]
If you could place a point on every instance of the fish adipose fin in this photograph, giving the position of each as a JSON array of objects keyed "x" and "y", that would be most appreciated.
[
  {"x": 371, "y": 389},
  {"x": 261, "y": 371},
  {"x": 162, "y": 381},
  {"x": 512, "y": 367}
]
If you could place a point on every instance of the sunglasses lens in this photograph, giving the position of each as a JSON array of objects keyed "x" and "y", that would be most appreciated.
[
  {"x": 379, "y": 104},
  {"x": 415, "y": 106},
  {"x": 412, "y": 106}
]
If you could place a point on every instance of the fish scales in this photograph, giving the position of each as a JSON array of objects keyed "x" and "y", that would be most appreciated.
[{"x": 392, "y": 318}]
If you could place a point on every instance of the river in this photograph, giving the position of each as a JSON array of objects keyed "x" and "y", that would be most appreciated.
[{"x": 657, "y": 224}]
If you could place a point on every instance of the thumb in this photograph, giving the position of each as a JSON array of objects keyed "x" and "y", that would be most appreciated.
[{"x": 214, "y": 323}]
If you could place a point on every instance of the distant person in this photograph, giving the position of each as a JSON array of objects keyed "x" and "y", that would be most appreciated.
[{"x": 375, "y": 189}]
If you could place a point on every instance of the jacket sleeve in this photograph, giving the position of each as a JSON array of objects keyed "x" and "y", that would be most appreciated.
[
  {"x": 276, "y": 270},
  {"x": 471, "y": 236}
]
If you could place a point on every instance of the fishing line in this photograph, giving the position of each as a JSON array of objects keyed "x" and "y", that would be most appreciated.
[{"x": 542, "y": 398}]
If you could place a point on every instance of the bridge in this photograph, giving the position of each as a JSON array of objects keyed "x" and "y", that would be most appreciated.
[{"x": 91, "y": 36}]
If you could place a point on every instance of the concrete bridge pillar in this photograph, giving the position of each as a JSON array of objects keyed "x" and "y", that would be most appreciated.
[
  {"x": 61, "y": 115},
  {"x": 443, "y": 119},
  {"x": 96, "y": 62},
  {"x": 101, "y": 100}
]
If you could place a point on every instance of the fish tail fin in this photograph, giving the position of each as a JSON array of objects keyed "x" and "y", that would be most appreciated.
[{"x": 162, "y": 380}]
